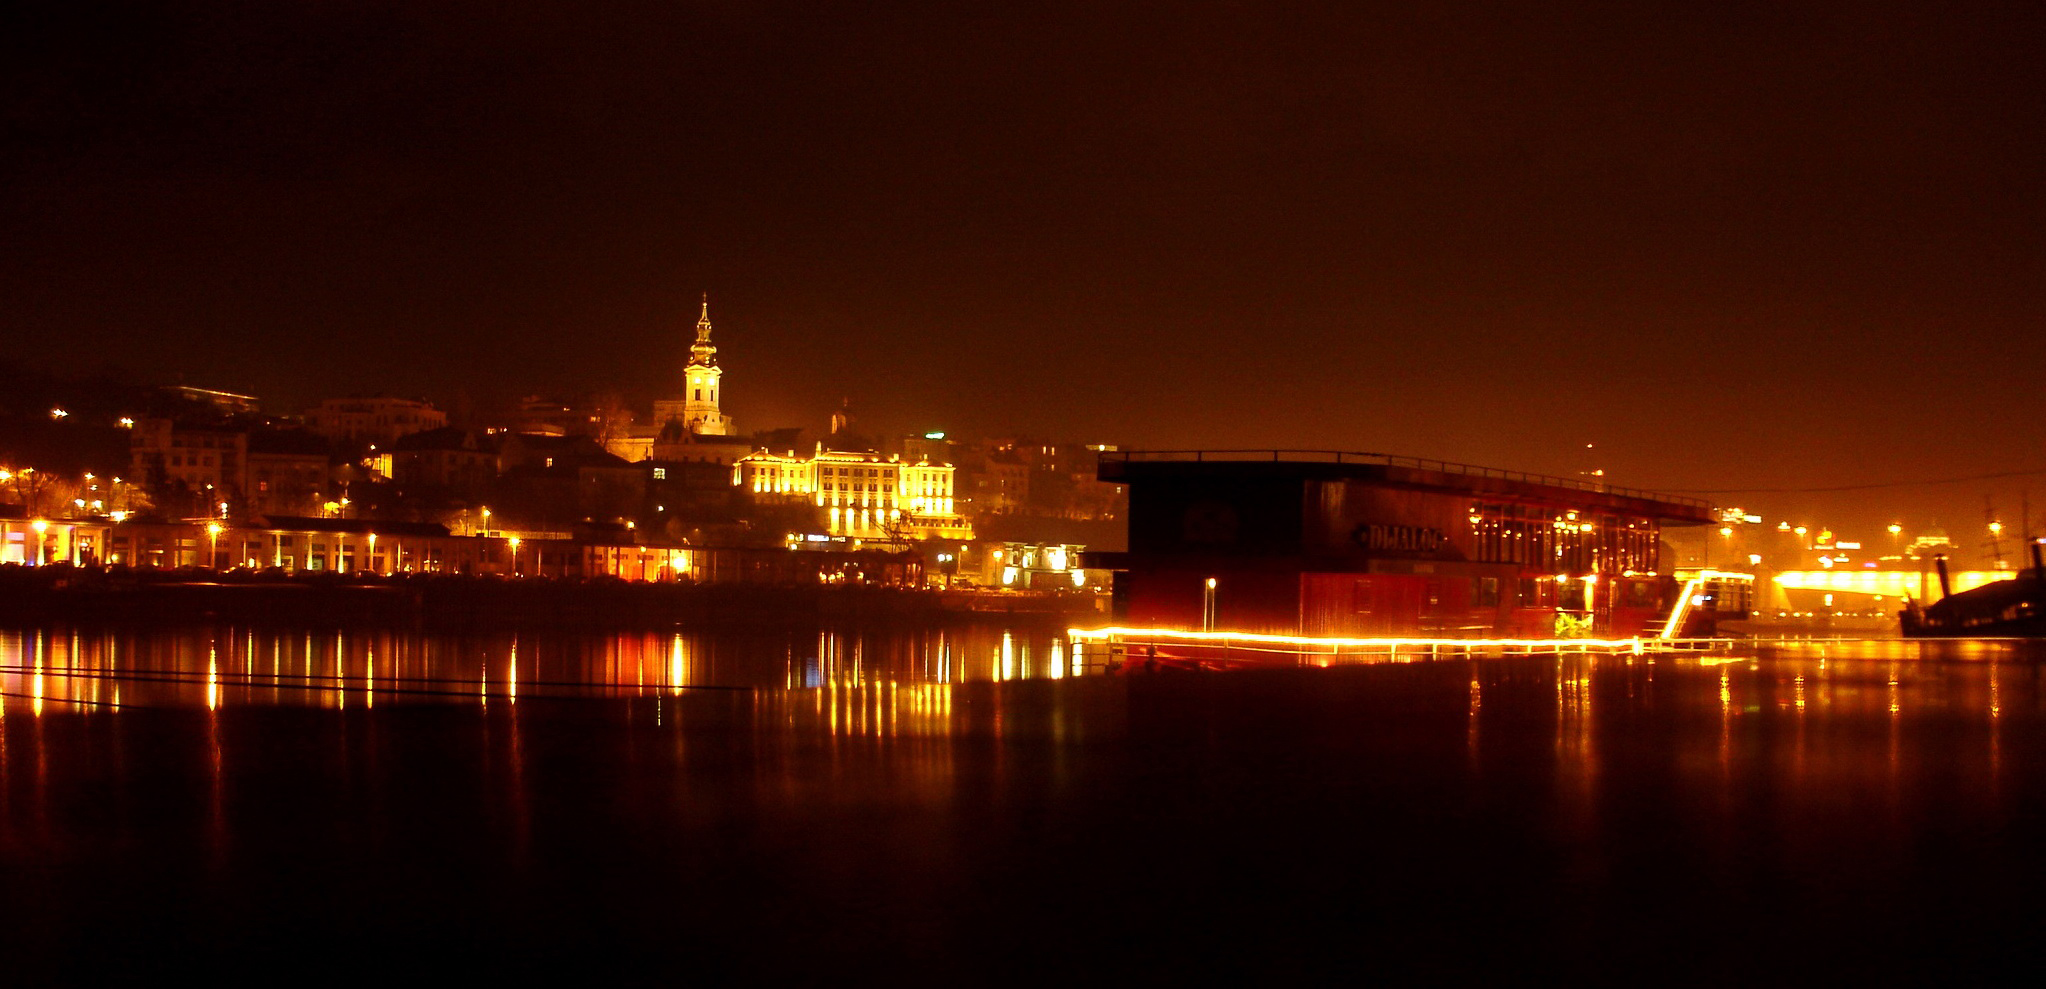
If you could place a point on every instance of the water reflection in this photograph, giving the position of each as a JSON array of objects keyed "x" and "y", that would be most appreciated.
[
  {"x": 980, "y": 780},
  {"x": 233, "y": 667}
]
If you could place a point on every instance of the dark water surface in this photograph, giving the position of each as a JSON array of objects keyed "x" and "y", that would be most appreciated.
[{"x": 983, "y": 806}]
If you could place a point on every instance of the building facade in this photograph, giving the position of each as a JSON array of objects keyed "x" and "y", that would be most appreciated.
[{"x": 863, "y": 495}]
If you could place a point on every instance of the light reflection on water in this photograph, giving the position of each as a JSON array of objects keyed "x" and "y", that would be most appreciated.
[
  {"x": 1794, "y": 713},
  {"x": 343, "y": 669},
  {"x": 722, "y": 783}
]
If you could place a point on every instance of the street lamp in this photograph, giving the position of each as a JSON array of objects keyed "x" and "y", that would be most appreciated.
[
  {"x": 40, "y": 527},
  {"x": 515, "y": 555},
  {"x": 213, "y": 545}
]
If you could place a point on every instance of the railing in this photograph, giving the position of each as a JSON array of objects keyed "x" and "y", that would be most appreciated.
[
  {"x": 1139, "y": 648},
  {"x": 1388, "y": 460}
]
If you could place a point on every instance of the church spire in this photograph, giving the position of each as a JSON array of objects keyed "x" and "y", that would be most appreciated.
[{"x": 703, "y": 352}]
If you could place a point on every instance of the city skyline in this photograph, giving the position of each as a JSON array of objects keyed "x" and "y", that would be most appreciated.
[{"x": 1751, "y": 252}]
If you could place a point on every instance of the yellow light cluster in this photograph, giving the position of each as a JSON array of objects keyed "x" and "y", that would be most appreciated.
[{"x": 1889, "y": 582}]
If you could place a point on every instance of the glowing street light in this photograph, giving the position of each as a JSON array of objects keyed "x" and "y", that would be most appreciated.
[
  {"x": 213, "y": 544},
  {"x": 514, "y": 541}
]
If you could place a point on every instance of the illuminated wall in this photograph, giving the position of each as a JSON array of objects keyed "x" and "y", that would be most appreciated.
[
  {"x": 862, "y": 494},
  {"x": 1889, "y": 583}
]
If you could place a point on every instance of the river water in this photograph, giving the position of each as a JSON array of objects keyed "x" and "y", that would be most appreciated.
[{"x": 986, "y": 805}]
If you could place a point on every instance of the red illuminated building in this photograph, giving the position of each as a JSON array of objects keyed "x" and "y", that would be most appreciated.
[{"x": 1348, "y": 544}]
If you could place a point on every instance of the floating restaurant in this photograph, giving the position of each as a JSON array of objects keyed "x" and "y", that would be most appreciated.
[
  {"x": 1331, "y": 545},
  {"x": 283, "y": 545}
]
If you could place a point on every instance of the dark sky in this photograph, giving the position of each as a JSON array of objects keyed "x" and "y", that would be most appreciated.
[{"x": 1735, "y": 245}]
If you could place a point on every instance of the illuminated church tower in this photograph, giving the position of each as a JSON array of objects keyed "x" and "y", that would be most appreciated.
[{"x": 699, "y": 412}]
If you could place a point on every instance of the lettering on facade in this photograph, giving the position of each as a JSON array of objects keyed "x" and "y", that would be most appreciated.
[{"x": 1398, "y": 538}]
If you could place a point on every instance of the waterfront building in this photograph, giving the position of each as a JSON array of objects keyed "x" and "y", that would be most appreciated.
[
  {"x": 35, "y": 541},
  {"x": 1369, "y": 545},
  {"x": 1029, "y": 567},
  {"x": 302, "y": 546}
]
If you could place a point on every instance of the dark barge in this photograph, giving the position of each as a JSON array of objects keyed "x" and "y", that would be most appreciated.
[
  {"x": 2014, "y": 608},
  {"x": 1326, "y": 544}
]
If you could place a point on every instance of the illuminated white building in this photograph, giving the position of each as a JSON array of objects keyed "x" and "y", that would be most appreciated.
[{"x": 863, "y": 495}]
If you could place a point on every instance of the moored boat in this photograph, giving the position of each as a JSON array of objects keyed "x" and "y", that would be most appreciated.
[{"x": 2014, "y": 608}]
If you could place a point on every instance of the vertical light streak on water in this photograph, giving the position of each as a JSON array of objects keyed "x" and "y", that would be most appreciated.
[
  {"x": 216, "y": 761},
  {"x": 1797, "y": 755},
  {"x": 1995, "y": 730},
  {"x": 511, "y": 672},
  {"x": 35, "y": 679},
  {"x": 1005, "y": 657},
  {"x": 515, "y": 765},
  {"x": 678, "y": 673},
  {"x": 1058, "y": 660},
  {"x": 369, "y": 673},
  {"x": 1725, "y": 725},
  {"x": 1896, "y": 759},
  {"x": 74, "y": 664},
  {"x": 1477, "y": 704},
  {"x": 10, "y": 660}
]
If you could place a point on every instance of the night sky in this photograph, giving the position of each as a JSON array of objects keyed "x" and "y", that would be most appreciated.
[{"x": 1734, "y": 245}]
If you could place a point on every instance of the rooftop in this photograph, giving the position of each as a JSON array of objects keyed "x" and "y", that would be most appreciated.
[{"x": 1121, "y": 465}]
